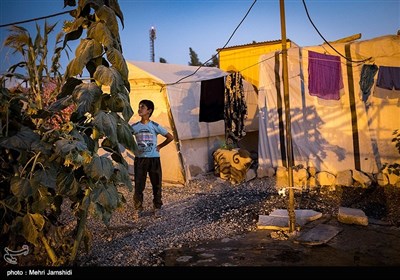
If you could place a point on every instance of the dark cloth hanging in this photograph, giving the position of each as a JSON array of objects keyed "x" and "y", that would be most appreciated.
[
  {"x": 388, "y": 77},
  {"x": 235, "y": 108},
  {"x": 368, "y": 73},
  {"x": 324, "y": 75},
  {"x": 212, "y": 100}
]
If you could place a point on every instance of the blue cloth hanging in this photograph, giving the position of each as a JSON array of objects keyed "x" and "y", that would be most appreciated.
[{"x": 368, "y": 73}]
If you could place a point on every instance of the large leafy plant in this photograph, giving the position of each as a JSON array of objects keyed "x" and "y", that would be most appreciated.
[
  {"x": 394, "y": 167},
  {"x": 53, "y": 127}
]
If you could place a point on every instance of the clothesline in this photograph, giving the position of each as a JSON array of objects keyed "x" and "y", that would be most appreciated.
[{"x": 255, "y": 64}]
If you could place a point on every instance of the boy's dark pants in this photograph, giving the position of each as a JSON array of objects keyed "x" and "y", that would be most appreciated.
[{"x": 142, "y": 167}]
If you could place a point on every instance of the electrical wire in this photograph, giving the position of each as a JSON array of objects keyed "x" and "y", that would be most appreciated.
[
  {"x": 35, "y": 19},
  {"x": 237, "y": 27},
  {"x": 312, "y": 23}
]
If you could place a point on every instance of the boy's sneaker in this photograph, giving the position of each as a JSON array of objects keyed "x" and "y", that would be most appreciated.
[{"x": 157, "y": 212}]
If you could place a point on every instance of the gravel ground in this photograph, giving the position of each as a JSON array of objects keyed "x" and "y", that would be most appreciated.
[
  {"x": 206, "y": 209},
  {"x": 209, "y": 208}
]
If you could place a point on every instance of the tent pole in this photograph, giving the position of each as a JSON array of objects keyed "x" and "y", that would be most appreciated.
[
  {"x": 289, "y": 154},
  {"x": 174, "y": 131}
]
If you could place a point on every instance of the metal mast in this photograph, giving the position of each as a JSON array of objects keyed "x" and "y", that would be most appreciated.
[{"x": 152, "y": 38}]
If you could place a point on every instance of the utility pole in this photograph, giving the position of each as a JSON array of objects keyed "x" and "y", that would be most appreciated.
[
  {"x": 152, "y": 38},
  {"x": 289, "y": 155}
]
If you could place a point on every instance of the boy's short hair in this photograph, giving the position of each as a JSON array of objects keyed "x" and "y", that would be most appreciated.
[{"x": 149, "y": 104}]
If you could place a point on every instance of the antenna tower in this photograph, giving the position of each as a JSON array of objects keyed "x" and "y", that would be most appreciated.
[{"x": 152, "y": 38}]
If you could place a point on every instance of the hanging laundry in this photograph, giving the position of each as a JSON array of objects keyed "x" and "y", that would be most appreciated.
[
  {"x": 324, "y": 76},
  {"x": 368, "y": 72},
  {"x": 212, "y": 100},
  {"x": 388, "y": 77},
  {"x": 235, "y": 108}
]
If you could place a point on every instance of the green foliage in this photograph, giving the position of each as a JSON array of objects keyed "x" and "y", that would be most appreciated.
[
  {"x": 51, "y": 132},
  {"x": 394, "y": 168},
  {"x": 194, "y": 59},
  {"x": 213, "y": 61}
]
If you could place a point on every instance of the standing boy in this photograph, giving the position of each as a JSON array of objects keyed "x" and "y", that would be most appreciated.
[{"x": 147, "y": 156}]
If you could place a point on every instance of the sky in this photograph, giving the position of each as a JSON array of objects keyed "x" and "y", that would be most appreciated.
[{"x": 206, "y": 25}]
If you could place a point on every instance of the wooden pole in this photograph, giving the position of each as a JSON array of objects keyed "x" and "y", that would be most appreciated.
[{"x": 288, "y": 129}]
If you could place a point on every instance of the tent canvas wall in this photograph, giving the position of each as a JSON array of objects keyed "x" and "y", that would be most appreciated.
[
  {"x": 333, "y": 136},
  {"x": 177, "y": 109}
]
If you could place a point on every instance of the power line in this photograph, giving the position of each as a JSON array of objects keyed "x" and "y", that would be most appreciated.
[
  {"x": 248, "y": 11},
  {"x": 309, "y": 18},
  {"x": 35, "y": 19}
]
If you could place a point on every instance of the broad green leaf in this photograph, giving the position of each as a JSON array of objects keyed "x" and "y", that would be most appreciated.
[
  {"x": 108, "y": 146},
  {"x": 32, "y": 225},
  {"x": 46, "y": 177},
  {"x": 75, "y": 67},
  {"x": 105, "y": 199},
  {"x": 113, "y": 4},
  {"x": 117, "y": 60},
  {"x": 69, "y": 87},
  {"x": 104, "y": 75},
  {"x": 44, "y": 147},
  {"x": 99, "y": 32},
  {"x": 86, "y": 95},
  {"x": 66, "y": 184},
  {"x": 121, "y": 176},
  {"x": 96, "y": 210},
  {"x": 13, "y": 203},
  {"x": 20, "y": 141},
  {"x": 107, "y": 196},
  {"x": 21, "y": 187},
  {"x": 117, "y": 156},
  {"x": 118, "y": 102},
  {"x": 60, "y": 104},
  {"x": 88, "y": 49},
  {"x": 74, "y": 26},
  {"x": 110, "y": 77},
  {"x": 65, "y": 146},
  {"x": 92, "y": 145},
  {"x": 125, "y": 137},
  {"x": 115, "y": 151},
  {"x": 69, "y": 3},
  {"x": 92, "y": 65},
  {"x": 77, "y": 135},
  {"x": 73, "y": 35},
  {"x": 107, "y": 15},
  {"x": 92, "y": 3},
  {"x": 99, "y": 167},
  {"x": 127, "y": 112},
  {"x": 106, "y": 123},
  {"x": 41, "y": 204},
  {"x": 102, "y": 213},
  {"x": 112, "y": 103}
]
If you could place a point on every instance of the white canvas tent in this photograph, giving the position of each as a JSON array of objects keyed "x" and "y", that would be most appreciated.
[
  {"x": 177, "y": 109},
  {"x": 333, "y": 136}
]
